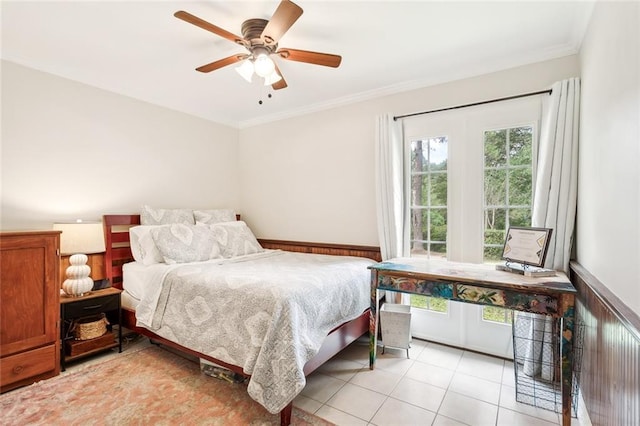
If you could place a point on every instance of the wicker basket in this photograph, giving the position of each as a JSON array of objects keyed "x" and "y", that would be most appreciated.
[{"x": 90, "y": 327}]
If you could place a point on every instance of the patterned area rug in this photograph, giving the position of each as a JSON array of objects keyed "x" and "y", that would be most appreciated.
[{"x": 150, "y": 387}]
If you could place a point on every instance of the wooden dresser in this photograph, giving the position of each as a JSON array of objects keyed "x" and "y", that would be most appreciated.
[{"x": 29, "y": 307}]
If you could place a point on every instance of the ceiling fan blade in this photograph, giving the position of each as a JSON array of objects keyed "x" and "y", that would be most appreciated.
[
  {"x": 187, "y": 17},
  {"x": 221, "y": 63},
  {"x": 316, "y": 58},
  {"x": 280, "y": 84},
  {"x": 283, "y": 18}
]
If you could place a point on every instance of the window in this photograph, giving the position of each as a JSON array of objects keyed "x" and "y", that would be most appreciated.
[
  {"x": 507, "y": 185},
  {"x": 507, "y": 194},
  {"x": 429, "y": 197},
  {"x": 429, "y": 208}
]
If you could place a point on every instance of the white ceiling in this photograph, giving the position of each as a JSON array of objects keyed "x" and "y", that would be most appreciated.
[{"x": 141, "y": 50}]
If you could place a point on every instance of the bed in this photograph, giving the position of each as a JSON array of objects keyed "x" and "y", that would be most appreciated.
[{"x": 287, "y": 331}]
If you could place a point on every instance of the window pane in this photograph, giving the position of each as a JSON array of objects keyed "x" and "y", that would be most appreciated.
[
  {"x": 495, "y": 219},
  {"x": 492, "y": 254},
  {"x": 437, "y": 304},
  {"x": 419, "y": 248},
  {"x": 419, "y": 188},
  {"x": 494, "y": 236},
  {"x": 495, "y": 187},
  {"x": 438, "y": 250},
  {"x": 419, "y": 224},
  {"x": 430, "y": 303},
  {"x": 520, "y": 142},
  {"x": 419, "y": 156},
  {"x": 520, "y": 186},
  {"x": 491, "y": 313},
  {"x": 438, "y": 189},
  {"x": 495, "y": 148},
  {"x": 438, "y": 153},
  {"x": 520, "y": 217},
  {"x": 438, "y": 225}
]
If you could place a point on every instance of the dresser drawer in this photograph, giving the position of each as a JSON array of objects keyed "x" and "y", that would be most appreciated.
[
  {"x": 27, "y": 364},
  {"x": 96, "y": 305}
]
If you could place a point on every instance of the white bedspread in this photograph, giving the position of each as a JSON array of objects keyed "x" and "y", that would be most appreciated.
[{"x": 268, "y": 313}]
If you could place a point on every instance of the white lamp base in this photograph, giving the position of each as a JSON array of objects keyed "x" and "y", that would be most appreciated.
[{"x": 78, "y": 282}]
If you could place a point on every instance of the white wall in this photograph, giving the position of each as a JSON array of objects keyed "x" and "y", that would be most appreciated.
[
  {"x": 311, "y": 178},
  {"x": 608, "y": 219},
  {"x": 73, "y": 151}
]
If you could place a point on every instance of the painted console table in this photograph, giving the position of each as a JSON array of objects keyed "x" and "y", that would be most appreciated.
[{"x": 482, "y": 285}]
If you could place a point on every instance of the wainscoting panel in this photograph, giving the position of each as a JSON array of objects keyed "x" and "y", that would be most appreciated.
[
  {"x": 322, "y": 248},
  {"x": 610, "y": 372}
]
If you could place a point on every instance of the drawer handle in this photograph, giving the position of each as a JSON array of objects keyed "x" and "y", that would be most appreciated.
[
  {"x": 18, "y": 369},
  {"x": 86, "y": 308}
]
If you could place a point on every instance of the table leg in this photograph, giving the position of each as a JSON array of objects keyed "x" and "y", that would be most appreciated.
[
  {"x": 373, "y": 321},
  {"x": 566, "y": 338}
]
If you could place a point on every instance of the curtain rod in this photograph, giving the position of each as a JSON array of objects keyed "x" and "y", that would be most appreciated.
[{"x": 474, "y": 104}]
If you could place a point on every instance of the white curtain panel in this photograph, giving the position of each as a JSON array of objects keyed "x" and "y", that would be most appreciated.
[
  {"x": 390, "y": 193},
  {"x": 389, "y": 186},
  {"x": 554, "y": 206}
]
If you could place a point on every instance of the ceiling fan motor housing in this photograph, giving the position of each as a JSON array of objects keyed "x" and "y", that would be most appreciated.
[{"x": 252, "y": 31}]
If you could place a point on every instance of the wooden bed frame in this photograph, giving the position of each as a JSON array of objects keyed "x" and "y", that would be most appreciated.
[{"x": 118, "y": 252}]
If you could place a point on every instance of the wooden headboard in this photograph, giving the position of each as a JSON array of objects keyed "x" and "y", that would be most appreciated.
[{"x": 118, "y": 247}]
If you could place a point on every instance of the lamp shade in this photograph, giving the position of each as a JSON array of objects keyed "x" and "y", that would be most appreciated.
[
  {"x": 274, "y": 77},
  {"x": 246, "y": 70},
  {"x": 81, "y": 237}
]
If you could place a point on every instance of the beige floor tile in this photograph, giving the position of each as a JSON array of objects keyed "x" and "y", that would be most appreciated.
[
  {"x": 321, "y": 387},
  {"x": 358, "y": 352},
  {"x": 340, "y": 368},
  {"x": 483, "y": 366},
  {"x": 446, "y": 421},
  {"x": 394, "y": 364},
  {"x": 357, "y": 401},
  {"x": 307, "y": 404},
  {"x": 508, "y": 401},
  {"x": 419, "y": 393},
  {"x": 441, "y": 356},
  {"x": 508, "y": 374},
  {"x": 468, "y": 410},
  {"x": 508, "y": 417},
  {"x": 395, "y": 412},
  {"x": 475, "y": 387},
  {"x": 338, "y": 417},
  {"x": 377, "y": 380},
  {"x": 431, "y": 374}
]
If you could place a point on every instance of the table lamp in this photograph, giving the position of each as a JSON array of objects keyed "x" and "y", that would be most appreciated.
[{"x": 79, "y": 239}]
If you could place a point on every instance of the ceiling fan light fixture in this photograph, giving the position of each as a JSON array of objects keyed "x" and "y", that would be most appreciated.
[
  {"x": 246, "y": 70},
  {"x": 263, "y": 65},
  {"x": 272, "y": 78}
]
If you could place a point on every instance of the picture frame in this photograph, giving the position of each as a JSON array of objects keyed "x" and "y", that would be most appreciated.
[{"x": 526, "y": 245}]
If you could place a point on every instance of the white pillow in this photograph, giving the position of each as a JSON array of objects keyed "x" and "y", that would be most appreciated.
[
  {"x": 143, "y": 247},
  {"x": 235, "y": 239},
  {"x": 209, "y": 217},
  {"x": 151, "y": 216},
  {"x": 179, "y": 243}
]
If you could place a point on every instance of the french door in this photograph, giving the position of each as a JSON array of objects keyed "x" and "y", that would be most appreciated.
[{"x": 453, "y": 159}]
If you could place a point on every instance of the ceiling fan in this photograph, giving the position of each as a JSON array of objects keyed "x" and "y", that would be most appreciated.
[{"x": 260, "y": 37}]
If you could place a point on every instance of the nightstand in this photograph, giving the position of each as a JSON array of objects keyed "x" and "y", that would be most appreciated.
[{"x": 105, "y": 301}]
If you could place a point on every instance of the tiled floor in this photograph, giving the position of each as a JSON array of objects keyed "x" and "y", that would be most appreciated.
[{"x": 438, "y": 385}]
